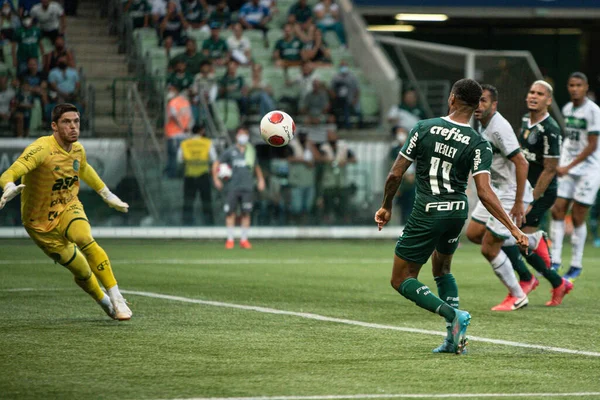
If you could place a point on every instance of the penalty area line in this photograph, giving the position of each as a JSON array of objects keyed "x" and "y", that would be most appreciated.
[
  {"x": 318, "y": 317},
  {"x": 403, "y": 396}
]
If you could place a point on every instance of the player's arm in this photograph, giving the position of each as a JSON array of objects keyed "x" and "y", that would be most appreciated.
[
  {"x": 521, "y": 170},
  {"x": 585, "y": 153},
  {"x": 392, "y": 184},
  {"x": 260, "y": 185},
  {"x": 90, "y": 176},
  {"x": 550, "y": 167}
]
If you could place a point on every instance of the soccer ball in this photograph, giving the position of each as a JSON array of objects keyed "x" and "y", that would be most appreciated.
[
  {"x": 224, "y": 172},
  {"x": 277, "y": 128}
]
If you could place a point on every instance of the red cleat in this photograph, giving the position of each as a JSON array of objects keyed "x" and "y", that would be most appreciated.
[
  {"x": 543, "y": 249},
  {"x": 529, "y": 286},
  {"x": 245, "y": 244},
  {"x": 511, "y": 303},
  {"x": 558, "y": 294},
  {"x": 229, "y": 244}
]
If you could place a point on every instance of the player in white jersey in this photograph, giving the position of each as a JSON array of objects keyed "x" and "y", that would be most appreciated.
[
  {"x": 509, "y": 180},
  {"x": 578, "y": 171}
]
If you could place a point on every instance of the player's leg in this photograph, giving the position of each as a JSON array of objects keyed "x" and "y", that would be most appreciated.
[
  {"x": 447, "y": 291},
  {"x": 594, "y": 215},
  {"x": 204, "y": 186},
  {"x": 189, "y": 195},
  {"x": 476, "y": 227},
  {"x": 247, "y": 205},
  {"x": 230, "y": 207},
  {"x": 566, "y": 188}
]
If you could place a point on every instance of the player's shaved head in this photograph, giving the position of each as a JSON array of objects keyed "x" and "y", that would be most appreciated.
[
  {"x": 579, "y": 75},
  {"x": 467, "y": 91},
  {"x": 60, "y": 109}
]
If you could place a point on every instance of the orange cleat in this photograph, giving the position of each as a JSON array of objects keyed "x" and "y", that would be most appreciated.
[
  {"x": 529, "y": 286},
  {"x": 245, "y": 244},
  {"x": 558, "y": 294},
  {"x": 229, "y": 244},
  {"x": 511, "y": 303},
  {"x": 543, "y": 249}
]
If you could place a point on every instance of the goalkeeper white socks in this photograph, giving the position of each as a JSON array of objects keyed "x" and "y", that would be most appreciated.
[
  {"x": 504, "y": 270},
  {"x": 578, "y": 243},
  {"x": 229, "y": 233},
  {"x": 557, "y": 234}
]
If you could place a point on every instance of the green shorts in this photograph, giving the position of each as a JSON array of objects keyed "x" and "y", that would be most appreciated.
[
  {"x": 422, "y": 236},
  {"x": 540, "y": 206}
]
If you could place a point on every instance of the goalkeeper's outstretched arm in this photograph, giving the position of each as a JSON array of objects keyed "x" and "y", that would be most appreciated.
[{"x": 90, "y": 176}]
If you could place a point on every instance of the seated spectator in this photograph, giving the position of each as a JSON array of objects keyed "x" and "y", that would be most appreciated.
[
  {"x": 180, "y": 78},
  {"x": 192, "y": 58},
  {"x": 7, "y": 94},
  {"x": 254, "y": 16},
  {"x": 64, "y": 82},
  {"x": 346, "y": 95},
  {"x": 172, "y": 27},
  {"x": 335, "y": 156},
  {"x": 300, "y": 16},
  {"x": 287, "y": 49},
  {"x": 139, "y": 12},
  {"x": 159, "y": 10},
  {"x": 51, "y": 59},
  {"x": 205, "y": 84},
  {"x": 27, "y": 44},
  {"x": 316, "y": 105},
  {"x": 215, "y": 47},
  {"x": 37, "y": 81},
  {"x": 315, "y": 49},
  {"x": 401, "y": 120},
  {"x": 9, "y": 21},
  {"x": 231, "y": 86},
  {"x": 221, "y": 15},
  {"x": 260, "y": 91},
  {"x": 410, "y": 103},
  {"x": 271, "y": 5},
  {"x": 51, "y": 18},
  {"x": 304, "y": 84},
  {"x": 239, "y": 45},
  {"x": 327, "y": 18},
  {"x": 195, "y": 13},
  {"x": 23, "y": 107}
]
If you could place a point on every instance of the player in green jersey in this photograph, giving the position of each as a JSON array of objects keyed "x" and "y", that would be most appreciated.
[{"x": 445, "y": 150}]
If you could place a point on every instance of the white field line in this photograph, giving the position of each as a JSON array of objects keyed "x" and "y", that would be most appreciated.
[
  {"x": 353, "y": 322},
  {"x": 403, "y": 396}
]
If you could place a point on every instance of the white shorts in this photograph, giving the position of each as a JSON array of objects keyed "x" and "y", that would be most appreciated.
[
  {"x": 581, "y": 188},
  {"x": 482, "y": 215}
]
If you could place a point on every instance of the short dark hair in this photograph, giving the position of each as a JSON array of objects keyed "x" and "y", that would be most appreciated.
[
  {"x": 492, "y": 89},
  {"x": 467, "y": 91},
  {"x": 60, "y": 109},
  {"x": 579, "y": 75}
]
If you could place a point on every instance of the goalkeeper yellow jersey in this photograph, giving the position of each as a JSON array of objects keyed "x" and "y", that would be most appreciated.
[{"x": 51, "y": 178}]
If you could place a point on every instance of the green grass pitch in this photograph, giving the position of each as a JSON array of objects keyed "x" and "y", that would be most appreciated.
[{"x": 55, "y": 342}]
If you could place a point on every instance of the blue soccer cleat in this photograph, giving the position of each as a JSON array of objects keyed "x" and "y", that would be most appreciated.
[
  {"x": 448, "y": 347},
  {"x": 461, "y": 321},
  {"x": 555, "y": 266},
  {"x": 572, "y": 273}
]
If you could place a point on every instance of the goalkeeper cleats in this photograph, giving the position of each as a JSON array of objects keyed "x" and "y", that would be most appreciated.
[{"x": 122, "y": 311}]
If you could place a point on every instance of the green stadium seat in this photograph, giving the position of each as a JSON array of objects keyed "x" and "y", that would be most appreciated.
[{"x": 229, "y": 113}]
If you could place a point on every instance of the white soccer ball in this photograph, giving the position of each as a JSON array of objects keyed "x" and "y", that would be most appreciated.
[
  {"x": 277, "y": 128},
  {"x": 224, "y": 172}
]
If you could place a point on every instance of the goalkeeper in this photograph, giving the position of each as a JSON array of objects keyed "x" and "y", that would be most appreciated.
[{"x": 51, "y": 169}]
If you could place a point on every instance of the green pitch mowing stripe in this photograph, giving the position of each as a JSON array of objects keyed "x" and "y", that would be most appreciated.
[
  {"x": 352, "y": 322},
  {"x": 404, "y": 396}
]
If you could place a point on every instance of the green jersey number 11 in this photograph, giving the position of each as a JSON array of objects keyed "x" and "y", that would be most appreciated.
[{"x": 435, "y": 178}]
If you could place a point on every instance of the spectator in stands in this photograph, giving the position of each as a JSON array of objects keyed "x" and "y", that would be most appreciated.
[
  {"x": 215, "y": 47},
  {"x": 239, "y": 45},
  {"x": 410, "y": 103},
  {"x": 180, "y": 78},
  {"x": 316, "y": 105},
  {"x": 300, "y": 13},
  {"x": 7, "y": 94},
  {"x": 23, "y": 107},
  {"x": 346, "y": 96},
  {"x": 64, "y": 81},
  {"x": 172, "y": 28},
  {"x": 51, "y": 18},
  {"x": 231, "y": 86},
  {"x": 28, "y": 40},
  {"x": 287, "y": 49},
  {"x": 197, "y": 154},
  {"x": 139, "y": 12},
  {"x": 401, "y": 120},
  {"x": 195, "y": 13},
  {"x": 36, "y": 80},
  {"x": 205, "y": 83},
  {"x": 315, "y": 49},
  {"x": 302, "y": 158},
  {"x": 192, "y": 57},
  {"x": 335, "y": 156},
  {"x": 25, "y": 6},
  {"x": 327, "y": 18},
  {"x": 304, "y": 84},
  {"x": 252, "y": 15},
  {"x": 51, "y": 59},
  {"x": 241, "y": 157},
  {"x": 221, "y": 15},
  {"x": 178, "y": 125},
  {"x": 9, "y": 21},
  {"x": 260, "y": 91},
  {"x": 159, "y": 10}
]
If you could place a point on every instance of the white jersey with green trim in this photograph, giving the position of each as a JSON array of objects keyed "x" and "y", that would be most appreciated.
[
  {"x": 505, "y": 144},
  {"x": 580, "y": 122}
]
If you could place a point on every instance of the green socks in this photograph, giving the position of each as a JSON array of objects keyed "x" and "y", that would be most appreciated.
[
  {"x": 421, "y": 295},
  {"x": 514, "y": 255},
  {"x": 447, "y": 289},
  {"x": 540, "y": 266}
]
